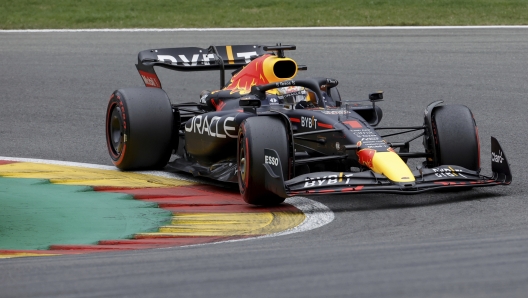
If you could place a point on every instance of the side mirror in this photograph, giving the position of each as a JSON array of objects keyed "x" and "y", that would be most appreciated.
[
  {"x": 249, "y": 102},
  {"x": 376, "y": 96}
]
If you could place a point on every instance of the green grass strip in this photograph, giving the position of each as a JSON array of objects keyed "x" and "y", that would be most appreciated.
[
  {"x": 35, "y": 214},
  {"x": 60, "y": 14}
]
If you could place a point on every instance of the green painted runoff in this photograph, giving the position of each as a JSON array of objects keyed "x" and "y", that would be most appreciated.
[{"x": 35, "y": 214}]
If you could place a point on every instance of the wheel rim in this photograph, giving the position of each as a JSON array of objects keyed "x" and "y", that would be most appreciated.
[
  {"x": 242, "y": 162},
  {"x": 242, "y": 168},
  {"x": 116, "y": 131}
]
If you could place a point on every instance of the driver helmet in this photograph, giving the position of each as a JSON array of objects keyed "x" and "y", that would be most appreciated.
[{"x": 292, "y": 94}]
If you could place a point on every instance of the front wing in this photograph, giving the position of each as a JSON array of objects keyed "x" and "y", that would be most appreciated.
[{"x": 426, "y": 179}]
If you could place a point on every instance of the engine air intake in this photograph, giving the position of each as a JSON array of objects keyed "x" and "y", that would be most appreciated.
[{"x": 285, "y": 69}]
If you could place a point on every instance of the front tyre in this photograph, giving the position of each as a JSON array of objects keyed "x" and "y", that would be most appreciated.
[
  {"x": 455, "y": 137},
  {"x": 139, "y": 125},
  {"x": 255, "y": 134}
]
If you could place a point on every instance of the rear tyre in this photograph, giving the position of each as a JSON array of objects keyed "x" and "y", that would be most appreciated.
[
  {"x": 455, "y": 137},
  {"x": 255, "y": 134},
  {"x": 139, "y": 125}
]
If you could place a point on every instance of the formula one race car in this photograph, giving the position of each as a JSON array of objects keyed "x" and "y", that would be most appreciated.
[{"x": 278, "y": 136}]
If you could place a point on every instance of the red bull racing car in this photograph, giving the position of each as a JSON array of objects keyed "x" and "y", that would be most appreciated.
[{"x": 279, "y": 136}]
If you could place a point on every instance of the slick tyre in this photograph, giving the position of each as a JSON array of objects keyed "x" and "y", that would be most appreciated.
[
  {"x": 255, "y": 134},
  {"x": 455, "y": 136},
  {"x": 139, "y": 125}
]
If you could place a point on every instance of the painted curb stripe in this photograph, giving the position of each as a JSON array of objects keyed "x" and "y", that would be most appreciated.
[
  {"x": 201, "y": 213},
  {"x": 221, "y": 212},
  {"x": 70, "y": 175},
  {"x": 16, "y": 254},
  {"x": 227, "y": 224},
  {"x": 160, "y": 241}
]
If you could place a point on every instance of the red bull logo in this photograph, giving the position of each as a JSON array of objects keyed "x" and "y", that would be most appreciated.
[
  {"x": 263, "y": 70},
  {"x": 251, "y": 75},
  {"x": 366, "y": 156}
]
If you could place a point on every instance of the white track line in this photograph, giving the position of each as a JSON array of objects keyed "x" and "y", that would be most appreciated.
[
  {"x": 263, "y": 29},
  {"x": 317, "y": 214}
]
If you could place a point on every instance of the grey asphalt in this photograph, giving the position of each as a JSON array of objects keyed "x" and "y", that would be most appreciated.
[{"x": 54, "y": 88}]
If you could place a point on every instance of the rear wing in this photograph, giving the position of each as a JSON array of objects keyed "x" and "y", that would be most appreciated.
[{"x": 195, "y": 59}]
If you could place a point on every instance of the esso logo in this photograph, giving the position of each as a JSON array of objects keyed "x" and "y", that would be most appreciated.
[{"x": 270, "y": 160}]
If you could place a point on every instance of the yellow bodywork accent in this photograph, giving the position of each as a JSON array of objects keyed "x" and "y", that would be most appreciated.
[
  {"x": 268, "y": 65},
  {"x": 392, "y": 166},
  {"x": 230, "y": 57},
  {"x": 453, "y": 171},
  {"x": 86, "y": 176},
  {"x": 229, "y": 224}
]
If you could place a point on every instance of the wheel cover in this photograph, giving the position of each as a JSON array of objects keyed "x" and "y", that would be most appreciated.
[
  {"x": 242, "y": 163},
  {"x": 243, "y": 168},
  {"x": 116, "y": 131}
]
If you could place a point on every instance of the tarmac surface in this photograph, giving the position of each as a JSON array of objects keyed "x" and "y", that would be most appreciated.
[{"x": 55, "y": 87}]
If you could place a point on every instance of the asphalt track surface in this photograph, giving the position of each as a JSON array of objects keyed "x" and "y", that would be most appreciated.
[{"x": 54, "y": 91}]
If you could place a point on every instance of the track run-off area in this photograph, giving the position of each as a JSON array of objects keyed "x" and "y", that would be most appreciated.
[
  {"x": 53, "y": 208},
  {"x": 55, "y": 89}
]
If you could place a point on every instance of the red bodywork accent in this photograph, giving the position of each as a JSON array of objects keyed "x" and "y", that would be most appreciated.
[
  {"x": 458, "y": 183},
  {"x": 251, "y": 75},
  {"x": 296, "y": 120},
  {"x": 357, "y": 188},
  {"x": 221, "y": 106},
  {"x": 354, "y": 123},
  {"x": 323, "y": 125},
  {"x": 218, "y": 106},
  {"x": 366, "y": 156},
  {"x": 150, "y": 79}
]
